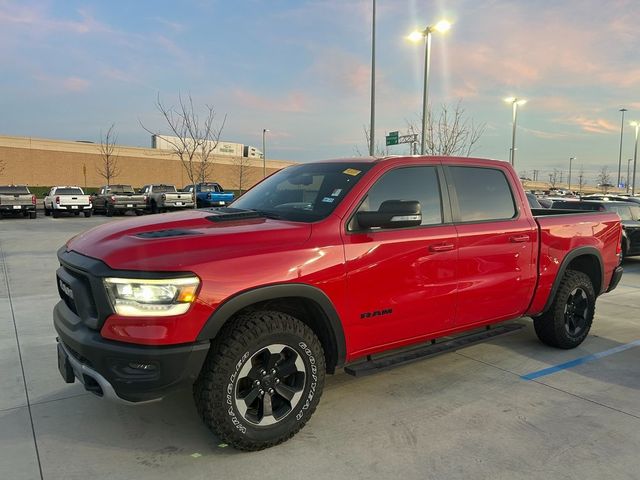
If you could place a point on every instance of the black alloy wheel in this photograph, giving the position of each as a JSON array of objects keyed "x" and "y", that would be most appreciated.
[
  {"x": 270, "y": 385},
  {"x": 576, "y": 311}
]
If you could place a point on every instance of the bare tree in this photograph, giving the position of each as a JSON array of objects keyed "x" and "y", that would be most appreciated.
[
  {"x": 240, "y": 166},
  {"x": 193, "y": 139},
  {"x": 379, "y": 149},
  {"x": 451, "y": 133},
  {"x": 603, "y": 179},
  {"x": 581, "y": 180},
  {"x": 109, "y": 168},
  {"x": 553, "y": 178}
]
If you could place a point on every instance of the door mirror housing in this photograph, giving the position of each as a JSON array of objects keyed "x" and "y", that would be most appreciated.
[{"x": 392, "y": 214}]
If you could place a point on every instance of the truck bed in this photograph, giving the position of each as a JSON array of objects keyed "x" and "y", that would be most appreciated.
[{"x": 563, "y": 231}]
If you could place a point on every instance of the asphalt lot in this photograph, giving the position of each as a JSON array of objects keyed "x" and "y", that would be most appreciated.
[{"x": 467, "y": 414}]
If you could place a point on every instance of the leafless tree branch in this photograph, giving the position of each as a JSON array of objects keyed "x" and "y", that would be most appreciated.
[
  {"x": 192, "y": 140},
  {"x": 109, "y": 169}
]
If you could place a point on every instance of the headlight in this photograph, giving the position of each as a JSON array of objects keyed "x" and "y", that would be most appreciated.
[{"x": 132, "y": 297}]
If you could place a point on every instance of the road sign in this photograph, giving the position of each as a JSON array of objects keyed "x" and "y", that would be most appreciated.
[{"x": 392, "y": 138}]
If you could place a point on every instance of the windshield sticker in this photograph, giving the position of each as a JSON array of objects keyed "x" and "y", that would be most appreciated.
[
  {"x": 336, "y": 192},
  {"x": 328, "y": 199},
  {"x": 352, "y": 171}
]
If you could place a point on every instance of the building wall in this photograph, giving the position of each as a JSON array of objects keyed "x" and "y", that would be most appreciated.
[{"x": 41, "y": 162}]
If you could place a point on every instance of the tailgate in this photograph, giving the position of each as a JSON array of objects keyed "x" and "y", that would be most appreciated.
[
  {"x": 16, "y": 200},
  {"x": 74, "y": 200}
]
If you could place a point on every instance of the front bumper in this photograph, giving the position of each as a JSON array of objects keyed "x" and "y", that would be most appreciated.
[{"x": 122, "y": 372}]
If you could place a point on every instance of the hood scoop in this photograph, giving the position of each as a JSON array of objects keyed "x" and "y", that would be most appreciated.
[
  {"x": 172, "y": 232},
  {"x": 229, "y": 214}
]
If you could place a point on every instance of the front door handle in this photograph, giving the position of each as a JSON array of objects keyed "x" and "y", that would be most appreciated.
[
  {"x": 441, "y": 247},
  {"x": 519, "y": 238}
]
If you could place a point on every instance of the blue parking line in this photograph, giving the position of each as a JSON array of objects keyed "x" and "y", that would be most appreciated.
[{"x": 578, "y": 361}]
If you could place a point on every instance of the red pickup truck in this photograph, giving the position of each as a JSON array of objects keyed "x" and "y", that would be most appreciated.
[{"x": 320, "y": 266}]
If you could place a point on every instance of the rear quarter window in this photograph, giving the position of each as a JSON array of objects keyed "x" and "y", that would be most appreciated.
[{"x": 483, "y": 194}]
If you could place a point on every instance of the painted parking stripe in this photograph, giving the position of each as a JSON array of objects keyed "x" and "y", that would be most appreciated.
[{"x": 578, "y": 361}]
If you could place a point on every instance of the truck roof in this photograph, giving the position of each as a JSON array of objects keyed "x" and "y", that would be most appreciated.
[{"x": 392, "y": 158}]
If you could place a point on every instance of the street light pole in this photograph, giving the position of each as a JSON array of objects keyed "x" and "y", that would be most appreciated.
[
  {"x": 442, "y": 26},
  {"x": 628, "y": 164},
  {"x": 620, "y": 154},
  {"x": 515, "y": 102},
  {"x": 571, "y": 159},
  {"x": 264, "y": 153},
  {"x": 635, "y": 158},
  {"x": 372, "y": 124}
]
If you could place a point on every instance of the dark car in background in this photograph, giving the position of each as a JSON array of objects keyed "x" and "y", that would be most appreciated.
[{"x": 629, "y": 213}]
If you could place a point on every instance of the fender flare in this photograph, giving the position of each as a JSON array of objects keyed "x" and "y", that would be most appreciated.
[
  {"x": 573, "y": 254},
  {"x": 234, "y": 304}
]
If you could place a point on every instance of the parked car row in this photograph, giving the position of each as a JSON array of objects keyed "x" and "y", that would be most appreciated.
[
  {"x": 627, "y": 208},
  {"x": 17, "y": 200}
]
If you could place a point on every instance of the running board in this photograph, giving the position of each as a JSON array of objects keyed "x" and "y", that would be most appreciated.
[{"x": 385, "y": 362}]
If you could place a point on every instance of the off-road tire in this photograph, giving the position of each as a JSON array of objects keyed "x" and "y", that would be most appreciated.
[
  {"x": 554, "y": 326},
  {"x": 87, "y": 214},
  {"x": 47, "y": 212},
  {"x": 33, "y": 215},
  {"x": 55, "y": 213},
  {"x": 108, "y": 211},
  {"x": 238, "y": 342}
]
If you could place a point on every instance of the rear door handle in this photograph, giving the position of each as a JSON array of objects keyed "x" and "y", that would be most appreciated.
[
  {"x": 519, "y": 238},
  {"x": 441, "y": 247}
]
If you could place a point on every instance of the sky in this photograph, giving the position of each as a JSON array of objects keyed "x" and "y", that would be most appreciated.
[{"x": 302, "y": 69}]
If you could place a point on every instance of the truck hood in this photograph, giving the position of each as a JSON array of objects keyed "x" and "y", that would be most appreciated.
[{"x": 178, "y": 241}]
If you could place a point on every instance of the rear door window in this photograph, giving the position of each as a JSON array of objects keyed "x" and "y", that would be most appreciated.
[{"x": 483, "y": 194}]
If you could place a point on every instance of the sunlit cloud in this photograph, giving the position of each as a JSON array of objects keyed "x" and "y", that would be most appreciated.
[
  {"x": 75, "y": 84},
  {"x": 292, "y": 102},
  {"x": 592, "y": 125}
]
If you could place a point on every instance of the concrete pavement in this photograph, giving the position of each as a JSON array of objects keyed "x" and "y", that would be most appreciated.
[{"x": 467, "y": 414}]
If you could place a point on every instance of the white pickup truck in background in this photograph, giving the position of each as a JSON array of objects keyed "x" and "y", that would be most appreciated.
[{"x": 67, "y": 199}]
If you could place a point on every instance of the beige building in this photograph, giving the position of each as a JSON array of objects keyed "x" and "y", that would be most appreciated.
[{"x": 42, "y": 162}]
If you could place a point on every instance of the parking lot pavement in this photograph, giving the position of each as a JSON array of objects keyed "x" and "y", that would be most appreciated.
[{"x": 468, "y": 414}]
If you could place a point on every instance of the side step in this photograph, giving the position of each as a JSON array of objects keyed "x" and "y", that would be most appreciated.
[{"x": 385, "y": 362}]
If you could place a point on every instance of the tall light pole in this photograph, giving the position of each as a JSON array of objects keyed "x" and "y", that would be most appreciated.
[
  {"x": 629, "y": 160},
  {"x": 620, "y": 154},
  {"x": 372, "y": 124},
  {"x": 441, "y": 27},
  {"x": 515, "y": 103},
  {"x": 635, "y": 158},
  {"x": 264, "y": 153},
  {"x": 571, "y": 159}
]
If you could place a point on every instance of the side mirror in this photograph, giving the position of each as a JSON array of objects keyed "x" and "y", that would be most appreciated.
[{"x": 392, "y": 214}]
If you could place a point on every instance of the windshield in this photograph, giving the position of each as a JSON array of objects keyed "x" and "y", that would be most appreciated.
[
  {"x": 69, "y": 191},
  {"x": 210, "y": 187},
  {"x": 120, "y": 189},
  {"x": 303, "y": 193},
  {"x": 13, "y": 190},
  {"x": 164, "y": 188}
]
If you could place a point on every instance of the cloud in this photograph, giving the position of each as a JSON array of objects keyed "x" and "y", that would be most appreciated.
[
  {"x": 543, "y": 134},
  {"x": 293, "y": 102},
  {"x": 593, "y": 125},
  {"x": 342, "y": 71},
  {"x": 174, "y": 26},
  {"x": 75, "y": 84},
  {"x": 40, "y": 21}
]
